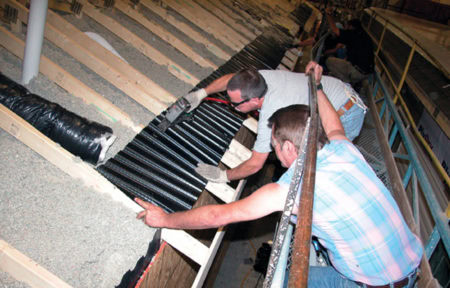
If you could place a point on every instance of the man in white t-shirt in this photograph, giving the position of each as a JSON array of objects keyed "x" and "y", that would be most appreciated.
[{"x": 268, "y": 91}]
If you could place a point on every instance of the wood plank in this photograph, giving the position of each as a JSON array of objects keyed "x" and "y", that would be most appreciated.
[
  {"x": 227, "y": 19},
  {"x": 202, "y": 273},
  {"x": 221, "y": 191},
  {"x": 237, "y": 17},
  {"x": 275, "y": 16},
  {"x": 236, "y": 154},
  {"x": 252, "y": 124},
  {"x": 140, "y": 45},
  {"x": 186, "y": 29},
  {"x": 23, "y": 269},
  {"x": 69, "y": 83},
  {"x": 216, "y": 23},
  {"x": 234, "y": 5},
  {"x": 103, "y": 69},
  {"x": 186, "y": 244},
  {"x": 169, "y": 268},
  {"x": 60, "y": 157},
  {"x": 70, "y": 164},
  {"x": 112, "y": 60},
  {"x": 203, "y": 24},
  {"x": 107, "y": 65},
  {"x": 164, "y": 35}
]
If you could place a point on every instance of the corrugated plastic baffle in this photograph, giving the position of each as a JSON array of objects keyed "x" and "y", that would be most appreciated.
[{"x": 159, "y": 166}]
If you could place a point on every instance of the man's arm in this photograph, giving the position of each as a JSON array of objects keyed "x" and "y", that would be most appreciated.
[
  {"x": 218, "y": 85},
  {"x": 332, "y": 23},
  {"x": 248, "y": 167},
  {"x": 329, "y": 117},
  {"x": 262, "y": 202}
]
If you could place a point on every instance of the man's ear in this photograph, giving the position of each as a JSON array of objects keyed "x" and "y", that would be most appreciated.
[{"x": 289, "y": 146}]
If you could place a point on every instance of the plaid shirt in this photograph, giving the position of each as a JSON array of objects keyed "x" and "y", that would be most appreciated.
[{"x": 357, "y": 220}]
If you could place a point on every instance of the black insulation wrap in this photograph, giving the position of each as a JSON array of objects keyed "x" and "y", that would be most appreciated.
[{"x": 84, "y": 138}]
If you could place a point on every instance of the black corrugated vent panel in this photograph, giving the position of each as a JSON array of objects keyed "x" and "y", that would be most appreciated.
[{"x": 159, "y": 167}]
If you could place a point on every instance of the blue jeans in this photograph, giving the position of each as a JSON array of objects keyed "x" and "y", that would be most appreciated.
[
  {"x": 324, "y": 277},
  {"x": 352, "y": 121}
]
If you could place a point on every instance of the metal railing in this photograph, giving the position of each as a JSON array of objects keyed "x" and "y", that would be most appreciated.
[
  {"x": 306, "y": 166},
  {"x": 391, "y": 109},
  {"x": 398, "y": 86},
  {"x": 394, "y": 128}
]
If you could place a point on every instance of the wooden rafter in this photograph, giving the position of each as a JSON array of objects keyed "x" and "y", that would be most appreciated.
[
  {"x": 69, "y": 82},
  {"x": 165, "y": 35},
  {"x": 185, "y": 28}
]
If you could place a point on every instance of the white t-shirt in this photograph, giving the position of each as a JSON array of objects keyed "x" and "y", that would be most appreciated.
[{"x": 286, "y": 88}]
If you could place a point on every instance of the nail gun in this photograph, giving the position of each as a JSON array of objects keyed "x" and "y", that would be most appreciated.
[{"x": 175, "y": 113}]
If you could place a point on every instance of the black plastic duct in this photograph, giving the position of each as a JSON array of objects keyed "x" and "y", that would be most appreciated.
[{"x": 86, "y": 139}]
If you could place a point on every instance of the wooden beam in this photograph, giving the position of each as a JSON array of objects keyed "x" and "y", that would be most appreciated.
[
  {"x": 227, "y": 19},
  {"x": 261, "y": 24},
  {"x": 186, "y": 244},
  {"x": 70, "y": 164},
  {"x": 211, "y": 20},
  {"x": 23, "y": 269},
  {"x": 252, "y": 124},
  {"x": 69, "y": 83},
  {"x": 204, "y": 24},
  {"x": 236, "y": 154},
  {"x": 237, "y": 17},
  {"x": 165, "y": 35},
  {"x": 186, "y": 29},
  {"x": 202, "y": 273},
  {"x": 113, "y": 61},
  {"x": 275, "y": 16},
  {"x": 221, "y": 191},
  {"x": 106, "y": 64},
  {"x": 60, "y": 157},
  {"x": 140, "y": 45}
]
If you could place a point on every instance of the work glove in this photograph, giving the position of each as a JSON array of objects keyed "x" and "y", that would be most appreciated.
[
  {"x": 195, "y": 98},
  {"x": 212, "y": 173}
]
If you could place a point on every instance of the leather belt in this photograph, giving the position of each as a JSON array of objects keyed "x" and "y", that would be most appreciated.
[
  {"x": 399, "y": 284},
  {"x": 345, "y": 108}
]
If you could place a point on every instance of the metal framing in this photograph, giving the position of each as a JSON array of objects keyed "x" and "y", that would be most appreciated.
[
  {"x": 415, "y": 168},
  {"x": 398, "y": 87}
]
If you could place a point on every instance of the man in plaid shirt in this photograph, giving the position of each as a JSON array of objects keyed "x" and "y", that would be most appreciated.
[{"x": 354, "y": 216}]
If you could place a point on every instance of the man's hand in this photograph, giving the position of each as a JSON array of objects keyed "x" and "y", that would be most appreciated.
[
  {"x": 212, "y": 173},
  {"x": 152, "y": 215},
  {"x": 195, "y": 98},
  {"x": 317, "y": 69}
]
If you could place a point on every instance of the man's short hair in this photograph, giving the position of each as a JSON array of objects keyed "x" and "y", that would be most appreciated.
[
  {"x": 250, "y": 82},
  {"x": 289, "y": 123}
]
